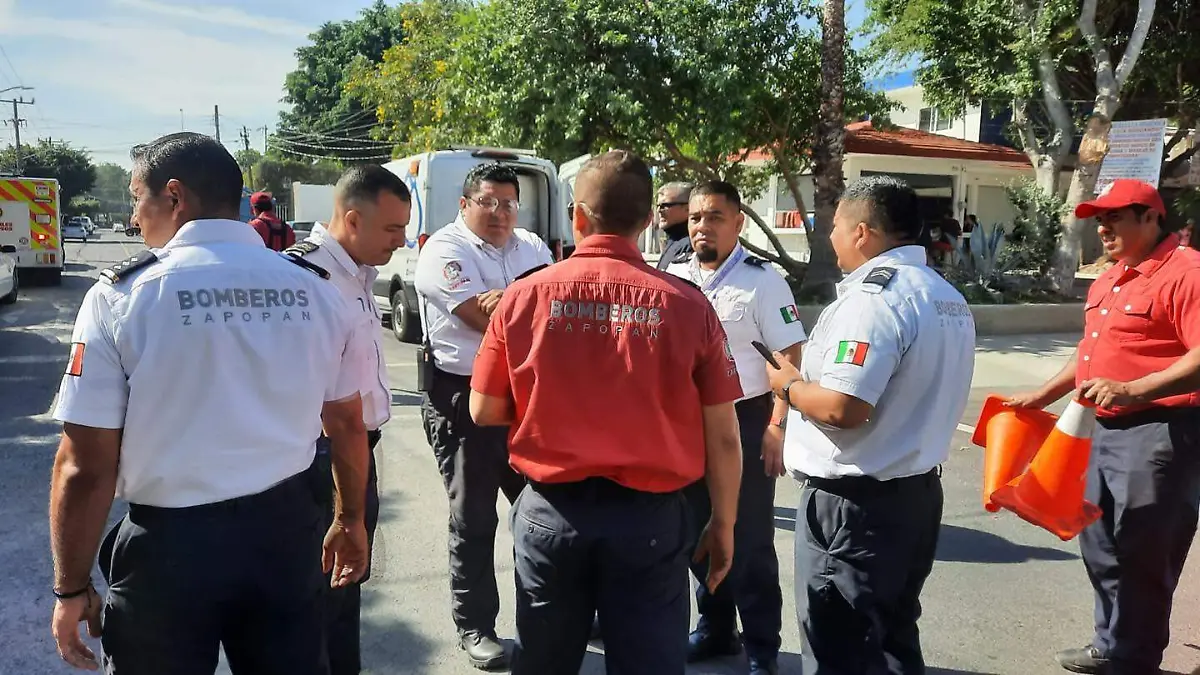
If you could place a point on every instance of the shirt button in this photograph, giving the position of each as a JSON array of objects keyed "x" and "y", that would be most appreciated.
[
  {"x": 1095, "y": 335},
  {"x": 1128, "y": 307},
  {"x": 1103, "y": 312},
  {"x": 1116, "y": 289},
  {"x": 1087, "y": 358}
]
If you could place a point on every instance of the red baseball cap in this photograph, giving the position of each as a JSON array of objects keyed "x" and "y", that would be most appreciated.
[
  {"x": 262, "y": 200},
  {"x": 1122, "y": 193}
]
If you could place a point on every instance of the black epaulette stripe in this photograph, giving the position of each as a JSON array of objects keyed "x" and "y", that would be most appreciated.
[
  {"x": 127, "y": 267},
  {"x": 311, "y": 267},
  {"x": 529, "y": 271},
  {"x": 755, "y": 262},
  {"x": 302, "y": 248},
  {"x": 880, "y": 276},
  {"x": 691, "y": 283}
]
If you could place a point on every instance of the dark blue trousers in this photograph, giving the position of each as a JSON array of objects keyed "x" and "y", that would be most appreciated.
[
  {"x": 863, "y": 551},
  {"x": 752, "y": 588},
  {"x": 1145, "y": 476},
  {"x": 594, "y": 547}
]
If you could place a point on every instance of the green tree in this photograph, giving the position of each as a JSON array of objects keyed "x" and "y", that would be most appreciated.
[
  {"x": 694, "y": 86},
  {"x": 71, "y": 167},
  {"x": 111, "y": 189},
  {"x": 323, "y": 121}
]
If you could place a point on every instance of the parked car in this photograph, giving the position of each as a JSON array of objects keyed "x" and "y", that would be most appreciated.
[
  {"x": 302, "y": 228},
  {"x": 8, "y": 275},
  {"x": 118, "y": 227},
  {"x": 73, "y": 229}
]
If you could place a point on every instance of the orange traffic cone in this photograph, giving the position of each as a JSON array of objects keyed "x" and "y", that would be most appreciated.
[
  {"x": 1010, "y": 437},
  {"x": 1050, "y": 493}
]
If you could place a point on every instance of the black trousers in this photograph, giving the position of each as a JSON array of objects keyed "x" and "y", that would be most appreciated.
[
  {"x": 596, "y": 547},
  {"x": 1145, "y": 477},
  {"x": 863, "y": 551},
  {"x": 343, "y": 606},
  {"x": 243, "y": 573},
  {"x": 752, "y": 589},
  {"x": 473, "y": 462}
]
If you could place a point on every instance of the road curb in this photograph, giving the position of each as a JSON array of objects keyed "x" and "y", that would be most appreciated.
[{"x": 992, "y": 320}]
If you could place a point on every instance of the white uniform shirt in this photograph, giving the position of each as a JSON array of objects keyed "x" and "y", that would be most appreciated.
[
  {"x": 754, "y": 303},
  {"x": 355, "y": 282},
  {"x": 908, "y": 349},
  {"x": 456, "y": 265},
  {"x": 215, "y": 361}
]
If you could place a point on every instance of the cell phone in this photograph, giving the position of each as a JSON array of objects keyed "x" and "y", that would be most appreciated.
[{"x": 766, "y": 353}]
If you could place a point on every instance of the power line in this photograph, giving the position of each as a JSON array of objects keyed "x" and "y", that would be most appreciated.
[
  {"x": 336, "y": 159},
  {"x": 11, "y": 67}
]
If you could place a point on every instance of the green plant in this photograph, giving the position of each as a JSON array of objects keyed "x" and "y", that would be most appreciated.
[{"x": 1030, "y": 247}]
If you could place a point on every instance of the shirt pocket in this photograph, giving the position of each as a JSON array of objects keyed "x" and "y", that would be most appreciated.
[{"x": 1132, "y": 321}]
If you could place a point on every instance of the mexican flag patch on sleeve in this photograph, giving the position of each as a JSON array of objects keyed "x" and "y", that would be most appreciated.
[
  {"x": 790, "y": 315},
  {"x": 854, "y": 353}
]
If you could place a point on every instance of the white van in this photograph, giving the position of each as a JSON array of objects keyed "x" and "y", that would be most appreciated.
[{"x": 436, "y": 181}]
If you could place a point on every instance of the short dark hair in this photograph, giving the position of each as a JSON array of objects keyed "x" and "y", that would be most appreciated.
[
  {"x": 618, "y": 191},
  {"x": 197, "y": 161},
  {"x": 365, "y": 182},
  {"x": 1140, "y": 211},
  {"x": 492, "y": 172},
  {"x": 892, "y": 206},
  {"x": 721, "y": 189}
]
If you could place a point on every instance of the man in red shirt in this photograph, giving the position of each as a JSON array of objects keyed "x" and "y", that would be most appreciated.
[
  {"x": 619, "y": 387},
  {"x": 1139, "y": 362},
  {"x": 276, "y": 234}
]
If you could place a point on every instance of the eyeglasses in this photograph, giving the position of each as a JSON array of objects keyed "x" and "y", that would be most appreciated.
[
  {"x": 492, "y": 204},
  {"x": 669, "y": 205}
]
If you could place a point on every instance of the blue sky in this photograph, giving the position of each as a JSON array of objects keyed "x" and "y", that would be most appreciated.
[{"x": 108, "y": 74}]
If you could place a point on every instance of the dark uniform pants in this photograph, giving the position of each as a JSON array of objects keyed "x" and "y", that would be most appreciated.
[
  {"x": 752, "y": 589},
  {"x": 863, "y": 551},
  {"x": 243, "y": 573},
  {"x": 473, "y": 462},
  {"x": 343, "y": 605},
  {"x": 595, "y": 547},
  {"x": 1145, "y": 477}
]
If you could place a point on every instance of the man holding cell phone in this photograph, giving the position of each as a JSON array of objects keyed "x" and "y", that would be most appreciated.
[{"x": 754, "y": 304}]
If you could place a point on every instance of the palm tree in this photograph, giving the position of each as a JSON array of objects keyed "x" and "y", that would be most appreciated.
[{"x": 827, "y": 155}]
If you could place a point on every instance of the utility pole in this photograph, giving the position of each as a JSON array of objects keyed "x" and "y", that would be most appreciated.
[
  {"x": 217, "y": 121},
  {"x": 16, "y": 122},
  {"x": 264, "y": 131},
  {"x": 246, "y": 145}
]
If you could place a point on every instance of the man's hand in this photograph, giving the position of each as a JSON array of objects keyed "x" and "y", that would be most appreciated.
[
  {"x": 1029, "y": 399},
  {"x": 716, "y": 544},
  {"x": 65, "y": 627},
  {"x": 489, "y": 301},
  {"x": 772, "y": 451},
  {"x": 345, "y": 552},
  {"x": 1107, "y": 393},
  {"x": 786, "y": 372}
]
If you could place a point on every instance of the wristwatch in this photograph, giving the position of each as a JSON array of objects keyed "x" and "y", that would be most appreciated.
[
  {"x": 786, "y": 392},
  {"x": 781, "y": 422}
]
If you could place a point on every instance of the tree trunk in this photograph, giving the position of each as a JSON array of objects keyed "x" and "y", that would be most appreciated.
[
  {"x": 829, "y": 150},
  {"x": 793, "y": 268}
]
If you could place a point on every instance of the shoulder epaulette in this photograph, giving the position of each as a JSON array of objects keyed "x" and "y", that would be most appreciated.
[
  {"x": 529, "y": 271},
  {"x": 880, "y": 277},
  {"x": 311, "y": 267},
  {"x": 754, "y": 262},
  {"x": 123, "y": 269},
  {"x": 302, "y": 248},
  {"x": 684, "y": 255}
]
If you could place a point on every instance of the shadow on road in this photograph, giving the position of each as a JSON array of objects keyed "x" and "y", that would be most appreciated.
[
  {"x": 962, "y": 544},
  {"x": 955, "y": 671},
  {"x": 785, "y": 518},
  {"x": 391, "y": 644},
  {"x": 403, "y": 397},
  {"x": 1038, "y": 345}
]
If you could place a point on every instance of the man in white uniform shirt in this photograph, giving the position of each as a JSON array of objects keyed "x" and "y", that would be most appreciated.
[
  {"x": 462, "y": 272},
  {"x": 881, "y": 388},
  {"x": 754, "y": 303},
  {"x": 372, "y": 207},
  {"x": 201, "y": 373}
]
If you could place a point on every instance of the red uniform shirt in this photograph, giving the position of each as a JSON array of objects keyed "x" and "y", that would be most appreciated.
[
  {"x": 1139, "y": 320},
  {"x": 276, "y": 234},
  {"x": 609, "y": 362}
]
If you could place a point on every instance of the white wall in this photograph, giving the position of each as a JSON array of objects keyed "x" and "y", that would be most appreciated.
[{"x": 909, "y": 116}]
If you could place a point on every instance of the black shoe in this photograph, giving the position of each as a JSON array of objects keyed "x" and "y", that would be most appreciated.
[
  {"x": 595, "y": 628},
  {"x": 1085, "y": 660},
  {"x": 703, "y": 646},
  {"x": 483, "y": 650},
  {"x": 763, "y": 667}
]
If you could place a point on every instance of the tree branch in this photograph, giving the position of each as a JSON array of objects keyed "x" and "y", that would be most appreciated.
[
  {"x": 1137, "y": 39},
  {"x": 1170, "y": 167},
  {"x": 1107, "y": 85},
  {"x": 1180, "y": 134}
]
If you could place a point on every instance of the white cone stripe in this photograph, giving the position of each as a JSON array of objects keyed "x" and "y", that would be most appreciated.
[{"x": 1077, "y": 421}]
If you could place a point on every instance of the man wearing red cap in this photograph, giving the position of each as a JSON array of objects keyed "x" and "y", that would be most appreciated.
[
  {"x": 277, "y": 234},
  {"x": 1139, "y": 362}
]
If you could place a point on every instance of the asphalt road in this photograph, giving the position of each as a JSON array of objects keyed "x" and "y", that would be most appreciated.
[{"x": 1002, "y": 599}]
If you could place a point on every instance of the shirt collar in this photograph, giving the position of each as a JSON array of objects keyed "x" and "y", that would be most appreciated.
[
  {"x": 901, "y": 255},
  {"x": 321, "y": 236},
  {"x": 514, "y": 242},
  {"x": 214, "y": 230},
  {"x": 608, "y": 246},
  {"x": 1159, "y": 256}
]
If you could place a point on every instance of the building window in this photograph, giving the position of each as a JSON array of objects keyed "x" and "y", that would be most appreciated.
[{"x": 932, "y": 119}]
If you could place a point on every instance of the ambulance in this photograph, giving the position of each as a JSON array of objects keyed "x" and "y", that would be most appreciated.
[
  {"x": 436, "y": 182},
  {"x": 29, "y": 222}
]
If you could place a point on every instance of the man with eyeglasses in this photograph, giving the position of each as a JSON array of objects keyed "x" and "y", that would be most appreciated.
[
  {"x": 671, "y": 212},
  {"x": 461, "y": 274}
]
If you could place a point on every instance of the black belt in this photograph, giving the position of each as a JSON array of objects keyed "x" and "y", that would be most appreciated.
[
  {"x": 461, "y": 380},
  {"x": 852, "y": 487},
  {"x": 251, "y": 503},
  {"x": 592, "y": 489},
  {"x": 754, "y": 401},
  {"x": 1154, "y": 415}
]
